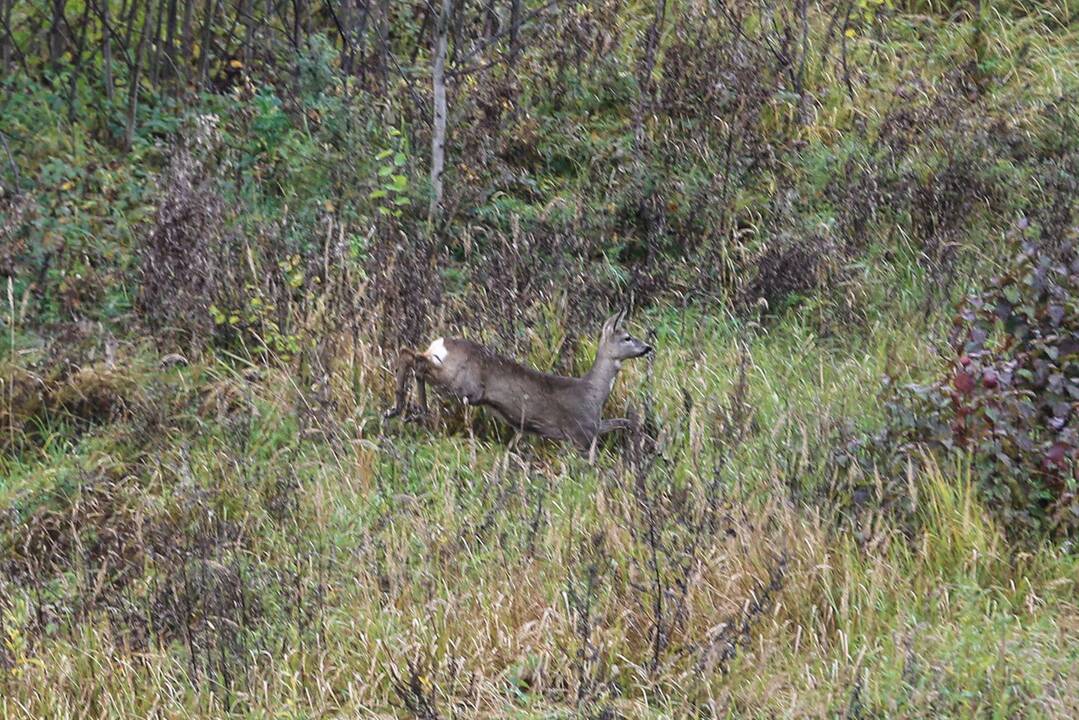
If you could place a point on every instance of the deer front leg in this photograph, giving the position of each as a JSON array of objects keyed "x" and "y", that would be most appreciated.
[
  {"x": 589, "y": 445},
  {"x": 606, "y": 426},
  {"x": 404, "y": 366}
]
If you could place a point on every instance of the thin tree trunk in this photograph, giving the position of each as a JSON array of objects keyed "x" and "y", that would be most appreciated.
[
  {"x": 384, "y": 44},
  {"x": 803, "y": 48},
  {"x": 346, "y": 37},
  {"x": 298, "y": 38},
  {"x": 5, "y": 30},
  {"x": 170, "y": 41},
  {"x": 56, "y": 33},
  {"x": 229, "y": 43},
  {"x": 417, "y": 45},
  {"x": 491, "y": 23},
  {"x": 133, "y": 90},
  {"x": 11, "y": 47},
  {"x": 297, "y": 25},
  {"x": 360, "y": 34},
  {"x": 132, "y": 16},
  {"x": 185, "y": 33},
  {"x": 456, "y": 22},
  {"x": 76, "y": 61},
  {"x": 438, "y": 133},
  {"x": 207, "y": 38},
  {"x": 648, "y": 64},
  {"x": 155, "y": 63},
  {"x": 247, "y": 13},
  {"x": 515, "y": 21},
  {"x": 106, "y": 51}
]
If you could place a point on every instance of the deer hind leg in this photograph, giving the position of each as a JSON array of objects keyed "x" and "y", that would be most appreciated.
[
  {"x": 405, "y": 366},
  {"x": 420, "y": 367}
]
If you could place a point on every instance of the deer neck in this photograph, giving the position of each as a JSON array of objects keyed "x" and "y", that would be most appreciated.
[{"x": 600, "y": 379}]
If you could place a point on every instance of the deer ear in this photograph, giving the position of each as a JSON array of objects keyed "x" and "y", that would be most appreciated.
[
  {"x": 622, "y": 317},
  {"x": 611, "y": 323}
]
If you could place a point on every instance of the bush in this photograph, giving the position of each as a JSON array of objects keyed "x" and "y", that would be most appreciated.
[{"x": 1009, "y": 394}]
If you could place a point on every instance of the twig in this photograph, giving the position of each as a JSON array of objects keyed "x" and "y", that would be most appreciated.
[
  {"x": 11, "y": 161},
  {"x": 11, "y": 382}
]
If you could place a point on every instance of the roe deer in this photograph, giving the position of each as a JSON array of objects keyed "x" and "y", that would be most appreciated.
[{"x": 553, "y": 406}]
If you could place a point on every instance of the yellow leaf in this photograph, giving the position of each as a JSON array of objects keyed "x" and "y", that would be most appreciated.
[
  {"x": 851, "y": 33},
  {"x": 67, "y": 185}
]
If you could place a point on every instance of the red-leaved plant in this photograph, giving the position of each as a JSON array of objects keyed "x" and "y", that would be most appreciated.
[
  {"x": 1010, "y": 398},
  {"x": 1016, "y": 385}
]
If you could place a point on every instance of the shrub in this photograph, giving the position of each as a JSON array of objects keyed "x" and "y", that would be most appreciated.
[
  {"x": 1009, "y": 395},
  {"x": 180, "y": 270}
]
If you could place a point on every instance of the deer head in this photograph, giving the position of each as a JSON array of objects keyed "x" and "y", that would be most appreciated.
[{"x": 615, "y": 342}]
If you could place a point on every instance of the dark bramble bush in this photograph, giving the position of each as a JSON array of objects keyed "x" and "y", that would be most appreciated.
[
  {"x": 1016, "y": 386},
  {"x": 1008, "y": 399}
]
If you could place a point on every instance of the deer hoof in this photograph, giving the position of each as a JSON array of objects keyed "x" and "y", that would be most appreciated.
[{"x": 416, "y": 414}]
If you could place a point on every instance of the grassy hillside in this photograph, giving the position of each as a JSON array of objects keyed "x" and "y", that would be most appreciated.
[{"x": 848, "y": 229}]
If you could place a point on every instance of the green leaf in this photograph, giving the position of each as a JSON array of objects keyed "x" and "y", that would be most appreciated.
[
  {"x": 400, "y": 183},
  {"x": 401, "y": 200},
  {"x": 399, "y": 159},
  {"x": 376, "y": 194},
  {"x": 384, "y": 154},
  {"x": 385, "y": 170}
]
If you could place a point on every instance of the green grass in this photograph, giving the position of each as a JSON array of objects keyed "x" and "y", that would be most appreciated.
[
  {"x": 240, "y": 537},
  {"x": 368, "y": 548}
]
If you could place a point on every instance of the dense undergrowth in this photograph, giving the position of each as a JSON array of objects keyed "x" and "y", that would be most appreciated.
[{"x": 848, "y": 228}]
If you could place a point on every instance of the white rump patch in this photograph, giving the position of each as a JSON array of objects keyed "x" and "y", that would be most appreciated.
[{"x": 437, "y": 352}]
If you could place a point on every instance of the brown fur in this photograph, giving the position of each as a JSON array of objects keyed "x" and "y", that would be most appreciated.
[{"x": 553, "y": 406}]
